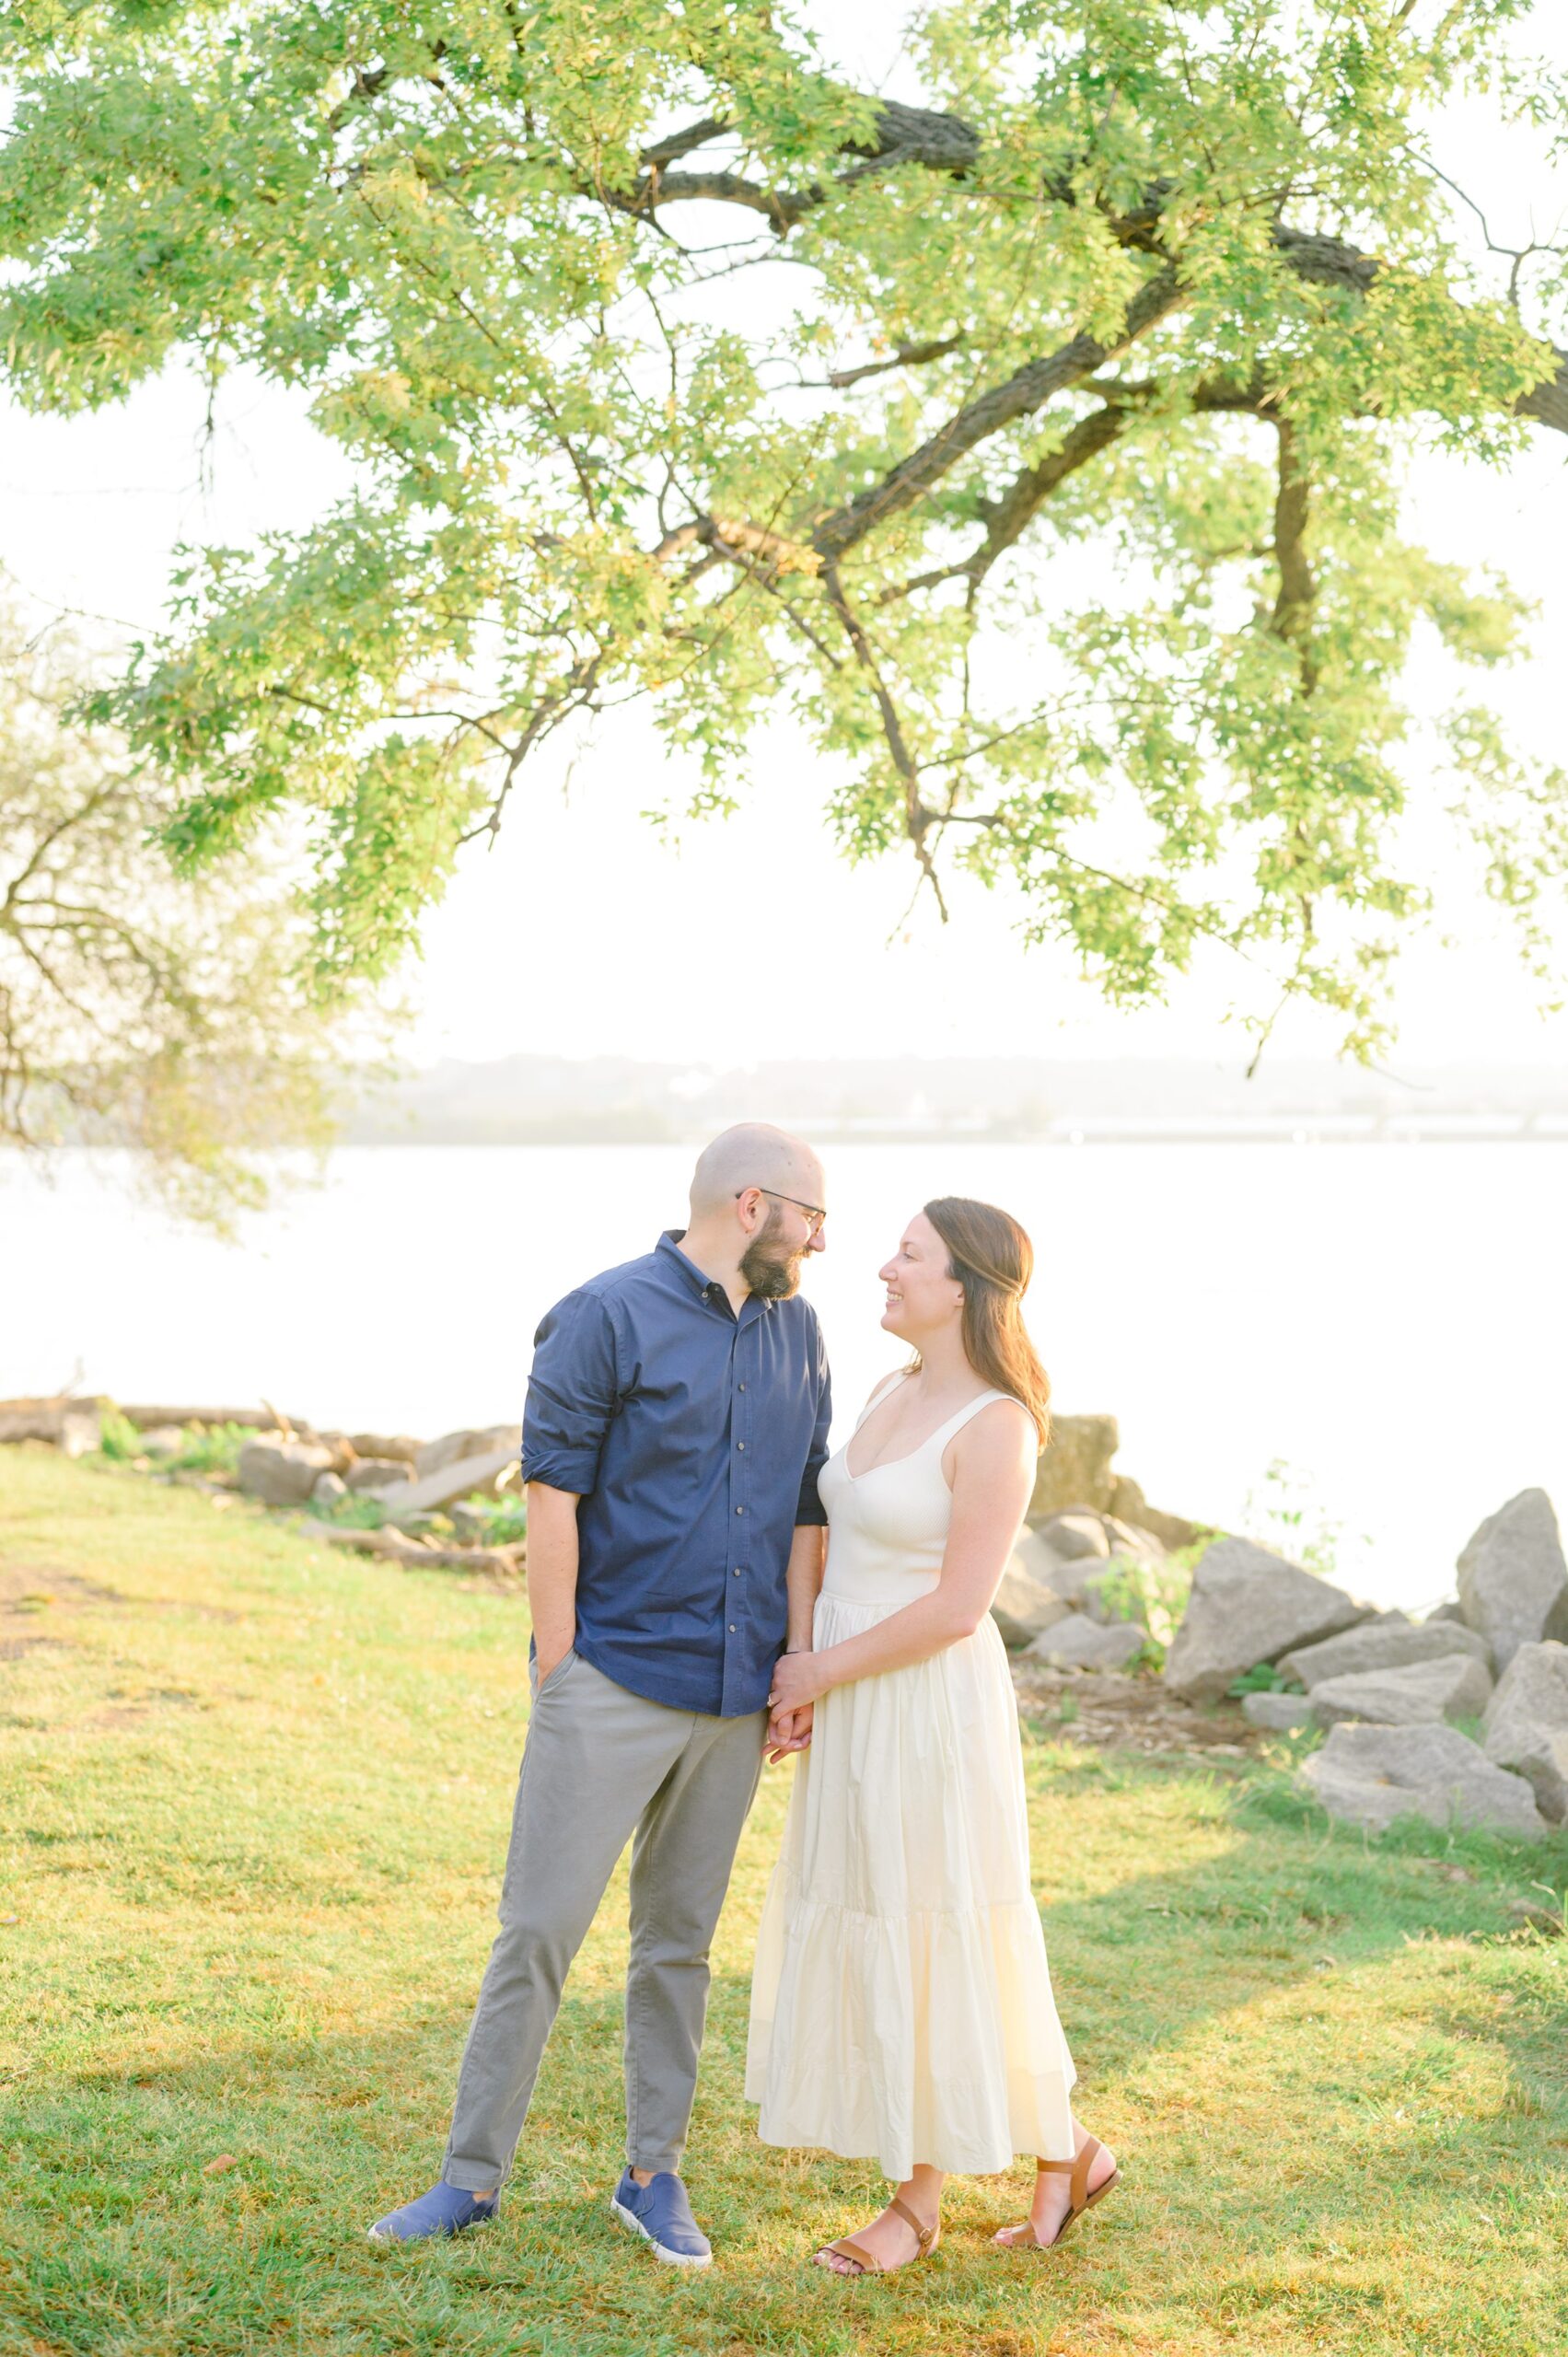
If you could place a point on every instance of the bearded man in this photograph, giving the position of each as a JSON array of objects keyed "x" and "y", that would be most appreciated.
[{"x": 677, "y": 1420}]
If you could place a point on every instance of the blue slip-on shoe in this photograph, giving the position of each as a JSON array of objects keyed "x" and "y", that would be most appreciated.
[
  {"x": 445, "y": 2210},
  {"x": 662, "y": 2215}
]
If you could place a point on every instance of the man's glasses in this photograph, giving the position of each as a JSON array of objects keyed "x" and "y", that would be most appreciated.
[{"x": 815, "y": 1215}]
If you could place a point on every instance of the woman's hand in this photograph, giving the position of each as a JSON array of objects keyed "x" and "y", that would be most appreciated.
[
  {"x": 789, "y": 1731},
  {"x": 797, "y": 1679}
]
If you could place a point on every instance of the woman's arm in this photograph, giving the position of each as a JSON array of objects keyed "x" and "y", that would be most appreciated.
[{"x": 994, "y": 1471}]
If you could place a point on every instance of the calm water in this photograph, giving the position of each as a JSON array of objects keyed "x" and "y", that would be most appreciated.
[{"x": 1387, "y": 1321}]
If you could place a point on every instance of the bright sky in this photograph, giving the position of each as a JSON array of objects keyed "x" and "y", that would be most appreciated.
[{"x": 582, "y": 934}]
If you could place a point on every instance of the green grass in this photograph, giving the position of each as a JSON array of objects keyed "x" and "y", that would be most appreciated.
[{"x": 255, "y": 1797}]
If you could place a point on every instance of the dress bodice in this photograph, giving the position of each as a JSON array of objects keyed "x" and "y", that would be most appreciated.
[{"x": 888, "y": 1527}]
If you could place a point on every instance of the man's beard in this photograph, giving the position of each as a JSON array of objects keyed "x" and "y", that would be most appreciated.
[{"x": 770, "y": 1275}]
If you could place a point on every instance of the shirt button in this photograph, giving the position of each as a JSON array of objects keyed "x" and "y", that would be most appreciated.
[
  {"x": 741, "y": 1444},
  {"x": 736, "y": 1573},
  {"x": 743, "y": 1386},
  {"x": 732, "y": 1628},
  {"x": 740, "y": 1509}
]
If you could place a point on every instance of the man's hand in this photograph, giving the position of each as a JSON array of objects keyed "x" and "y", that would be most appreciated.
[
  {"x": 789, "y": 1731},
  {"x": 547, "y": 1661}
]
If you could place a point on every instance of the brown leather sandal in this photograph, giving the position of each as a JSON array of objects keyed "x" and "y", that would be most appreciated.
[
  {"x": 1078, "y": 2200},
  {"x": 866, "y": 2263}
]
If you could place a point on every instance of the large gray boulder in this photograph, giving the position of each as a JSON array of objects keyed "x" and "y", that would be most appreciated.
[
  {"x": 1075, "y": 1537},
  {"x": 377, "y": 1472},
  {"x": 1028, "y": 1602},
  {"x": 1416, "y": 1693},
  {"x": 448, "y": 1483},
  {"x": 1512, "y": 1577},
  {"x": 1248, "y": 1606},
  {"x": 1527, "y": 1724},
  {"x": 282, "y": 1472},
  {"x": 402, "y": 1445},
  {"x": 1075, "y": 1469},
  {"x": 481, "y": 1440},
  {"x": 1280, "y": 1714},
  {"x": 1079, "y": 1643},
  {"x": 1385, "y": 1643},
  {"x": 1371, "y": 1775}
]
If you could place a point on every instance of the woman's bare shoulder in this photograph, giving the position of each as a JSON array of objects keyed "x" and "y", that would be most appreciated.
[{"x": 999, "y": 1430}]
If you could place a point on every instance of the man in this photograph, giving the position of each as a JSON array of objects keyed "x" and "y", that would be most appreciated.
[{"x": 677, "y": 1420}]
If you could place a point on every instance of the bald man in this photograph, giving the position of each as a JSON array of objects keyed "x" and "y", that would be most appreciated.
[{"x": 677, "y": 1420}]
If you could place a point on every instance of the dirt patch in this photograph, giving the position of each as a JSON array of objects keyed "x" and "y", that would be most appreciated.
[{"x": 1129, "y": 1713}]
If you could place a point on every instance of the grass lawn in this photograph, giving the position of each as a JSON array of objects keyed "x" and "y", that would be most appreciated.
[{"x": 255, "y": 1798}]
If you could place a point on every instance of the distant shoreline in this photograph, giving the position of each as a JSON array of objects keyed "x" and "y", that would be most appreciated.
[{"x": 1304, "y": 1130}]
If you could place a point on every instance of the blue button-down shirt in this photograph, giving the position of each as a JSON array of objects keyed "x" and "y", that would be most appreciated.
[{"x": 693, "y": 1438}]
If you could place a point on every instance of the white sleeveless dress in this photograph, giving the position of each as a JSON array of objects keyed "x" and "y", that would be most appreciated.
[{"x": 902, "y": 2008}]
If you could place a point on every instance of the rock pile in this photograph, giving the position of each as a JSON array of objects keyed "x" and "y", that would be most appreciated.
[{"x": 1403, "y": 1700}]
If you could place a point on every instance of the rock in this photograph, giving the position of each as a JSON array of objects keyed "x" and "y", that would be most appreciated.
[
  {"x": 1128, "y": 1504},
  {"x": 329, "y": 1489},
  {"x": 1078, "y": 1643},
  {"x": 1370, "y": 1775},
  {"x": 1513, "y": 1578},
  {"x": 401, "y": 1446},
  {"x": 1413, "y": 1693},
  {"x": 282, "y": 1472},
  {"x": 1527, "y": 1724},
  {"x": 448, "y": 1483},
  {"x": 1075, "y": 1537},
  {"x": 1280, "y": 1713},
  {"x": 1452, "y": 1611},
  {"x": 1384, "y": 1643},
  {"x": 73, "y": 1426},
  {"x": 1075, "y": 1470},
  {"x": 1027, "y": 1602},
  {"x": 1248, "y": 1606},
  {"x": 163, "y": 1440},
  {"x": 1122, "y": 1539},
  {"x": 377, "y": 1472},
  {"x": 453, "y": 1447}
]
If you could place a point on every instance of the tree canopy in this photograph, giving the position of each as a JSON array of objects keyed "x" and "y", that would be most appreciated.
[
  {"x": 1037, "y": 448},
  {"x": 136, "y": 1010}
]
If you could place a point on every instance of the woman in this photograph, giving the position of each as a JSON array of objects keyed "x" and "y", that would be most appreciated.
[{"x": 901, "y": 2007}]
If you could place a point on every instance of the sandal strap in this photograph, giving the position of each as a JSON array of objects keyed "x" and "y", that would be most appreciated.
[
  {"x": 866, "y": 2260},
  {"x": 924, "y": 2236},
  {"x": 1078, "y": 2168}
]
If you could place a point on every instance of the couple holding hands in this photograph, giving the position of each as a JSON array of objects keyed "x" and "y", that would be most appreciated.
[{"x": 686, "y": 1623}]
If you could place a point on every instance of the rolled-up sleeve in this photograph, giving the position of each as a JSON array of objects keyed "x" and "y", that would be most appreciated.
[
  {"x": 572, "y": 1394},
  {"x": 810, "y": 1508}
]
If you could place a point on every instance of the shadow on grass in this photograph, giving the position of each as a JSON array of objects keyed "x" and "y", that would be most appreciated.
[{"x": 218, "y": 2206}]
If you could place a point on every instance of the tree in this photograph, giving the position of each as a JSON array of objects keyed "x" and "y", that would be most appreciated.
[
  {"x": 1037, "y": 446},
  {"x": 136, "y": 1011}
]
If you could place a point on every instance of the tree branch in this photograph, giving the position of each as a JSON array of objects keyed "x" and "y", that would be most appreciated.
[
  {"x": 1023, "y": 392},
  {"x": 918, "y": 816}
]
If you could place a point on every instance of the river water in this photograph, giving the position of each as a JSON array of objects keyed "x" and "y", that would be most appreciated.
[{"x": 1387, "y": 1321}]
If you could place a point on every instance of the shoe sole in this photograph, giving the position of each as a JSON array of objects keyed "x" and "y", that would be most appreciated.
[{"x": 671, "y": 2258}]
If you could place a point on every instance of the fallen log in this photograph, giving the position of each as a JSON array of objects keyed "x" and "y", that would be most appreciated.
[
  {"x": 505, "y": 1562},
  {"x": 255, "y": 1420}
]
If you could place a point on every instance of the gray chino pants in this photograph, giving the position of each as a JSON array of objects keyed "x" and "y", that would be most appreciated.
[{"x": 600, "y": 1765}]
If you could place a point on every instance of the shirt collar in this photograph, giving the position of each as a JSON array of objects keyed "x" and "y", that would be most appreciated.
[{"x": 706, "y": 1289}]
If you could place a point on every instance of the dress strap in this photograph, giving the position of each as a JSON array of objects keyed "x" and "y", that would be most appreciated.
[
  {"x": 955, "y": 1423},
  {"x": 889, "y": 1384}
]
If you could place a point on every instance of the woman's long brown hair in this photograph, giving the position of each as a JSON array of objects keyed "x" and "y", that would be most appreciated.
[{"x": 990, "y": 1255}]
